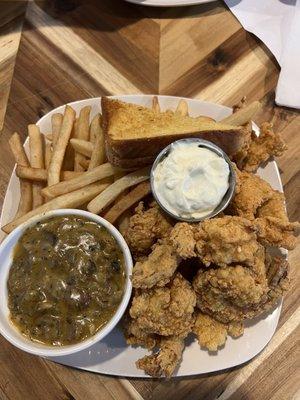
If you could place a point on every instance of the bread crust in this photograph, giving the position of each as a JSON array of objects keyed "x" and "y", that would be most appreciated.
[{"x": 137, "y": 148}]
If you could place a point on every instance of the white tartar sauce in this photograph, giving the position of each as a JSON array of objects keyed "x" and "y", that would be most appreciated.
[{"x": 191, "y": 181}]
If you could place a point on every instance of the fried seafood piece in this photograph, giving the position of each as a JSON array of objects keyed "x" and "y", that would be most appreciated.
[
  {"x": 235, "y": 293},
  {"x": 165, "y": 361},
  {"x": 145, "y": 227},
  {"x": 274, "y": 207},
  {"x": 220, "y": 241},
  {"x": 136, "y": 336},
  {"x": 277, "y": 232},
  {"x": 278, "y": 280},
  {"x": 212, "y": 334},
  {"x": 183, "y": 241},
  {"x": 252, "y": 193},
  {"x": 165, "y": 311},
  {"x": 261, "y": 148},
  {"x": 157, "y": 269}
]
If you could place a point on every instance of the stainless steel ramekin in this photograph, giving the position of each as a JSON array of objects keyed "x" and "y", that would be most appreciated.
[{"x": 208, "y": 145}]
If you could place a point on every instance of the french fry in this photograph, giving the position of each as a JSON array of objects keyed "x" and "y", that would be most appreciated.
[
  {"x": 86, "y": 178},
  {"x": 69, "y": 158},
  {"x": 82, "y": 146},
  {"x": 18, "y": 150},
  {"x": 97, "y": 120},
  {"x": 135, "y": 195},
  {"x": 98, "y": 153},
  {"x": 155, "y": 104},
  {"x": 82, "y": 133},
  {"x": 40, "y": 175},
  {"x": 25, "y": 204},
  {"x": 114, "y": 190},
  {"x": 182, "y": 108},
  {"x": 60, "y": 147},
  {"x": 243, "y": 115},
  {"x": 84, "y": 123},
  {"x": 77, "y": 166},
  {"x": 36, "y": 161},
  {"x": 56, "y": 121},
  {"x": 85, "y": 163},
  {"x": 49, "y": 137},
  {"x": 124, "y": 222},
  {"x": 119, "y": 173},
  {"x": 48, "y": 154},
  {"x": 69, "y": 200}
]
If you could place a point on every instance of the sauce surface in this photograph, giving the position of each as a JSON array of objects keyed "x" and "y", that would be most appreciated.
[
  {"x": 66, "y": 281},
  {"x": 191, "y": 181}
]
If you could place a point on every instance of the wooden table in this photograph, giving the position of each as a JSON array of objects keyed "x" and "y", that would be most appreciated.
[{"x": 66, "y": 50}]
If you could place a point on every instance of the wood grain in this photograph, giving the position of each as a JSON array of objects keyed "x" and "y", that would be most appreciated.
[{"x": 73, "y": 49}]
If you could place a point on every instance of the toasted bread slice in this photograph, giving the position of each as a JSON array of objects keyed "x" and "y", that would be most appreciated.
[
  {"x": 127, "y": 163},
  {"x": 132, "y": 131}
]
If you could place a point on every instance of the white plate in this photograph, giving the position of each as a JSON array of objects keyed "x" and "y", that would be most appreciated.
[
  {"x": 112, "y": 356},
  {"x": 169, "y": 3}
]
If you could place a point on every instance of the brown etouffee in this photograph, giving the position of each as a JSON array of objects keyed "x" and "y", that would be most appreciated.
[{"x": 66, "y": 280}]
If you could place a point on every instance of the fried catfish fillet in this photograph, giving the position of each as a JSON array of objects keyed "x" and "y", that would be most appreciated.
[
  {"x": 261, "y": 148},
  {"x": 276, "y": 232},
  {"x": 253, "y": 193},
  {"x": 157, "y": 269},
  {"x": 165, "y": 311},
  {"x": 212, "y": 334},
  {"x": 165, "y": 361},
  {"x": 221, "y": 241},
  {"x": 145, "y": 227},
  {"x": 237, "y": 292}
]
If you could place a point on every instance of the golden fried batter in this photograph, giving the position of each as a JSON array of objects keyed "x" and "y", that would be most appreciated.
[
  {"x": 261, "y": 148},
  {"x": 136, "y": 336},
  {"x": 165, "y": 311},
  {"x": 212, "y": 334},
  {"x": 182, "y": 240},
  {"x": 165, "y": 360},
  {"x": 274, "y": 207},
  {"x": 220, "y": 241},
  {"x": 276, "y": 232},
  {"x": 253, "y": 192},
  {"x": 145, "y": 227},
  {"x": 236, "y": 293},
  {"x": 157, "y": 269}
]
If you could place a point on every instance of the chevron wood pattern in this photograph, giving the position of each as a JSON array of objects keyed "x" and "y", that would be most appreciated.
[{"x": 66, "y": 50}]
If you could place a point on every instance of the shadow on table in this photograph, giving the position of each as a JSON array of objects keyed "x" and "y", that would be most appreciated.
[{"x": 112, "y": 15}]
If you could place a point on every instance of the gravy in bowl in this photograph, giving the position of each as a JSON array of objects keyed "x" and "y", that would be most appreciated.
[{"x": 66, "y": 280}]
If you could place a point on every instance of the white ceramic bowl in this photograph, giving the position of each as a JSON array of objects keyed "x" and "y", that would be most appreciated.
[{"x": 8, "y": 330}]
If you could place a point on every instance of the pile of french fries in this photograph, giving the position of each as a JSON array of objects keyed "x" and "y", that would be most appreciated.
[{"x": 67, "y": 168}]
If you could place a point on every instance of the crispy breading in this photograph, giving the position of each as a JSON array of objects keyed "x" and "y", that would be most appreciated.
[
  {"x": 274, "y": 207},
  {"x": 165, "y": 311},
  {"x": 261, "y": 148},
  {"x": 212, "y": 334},
  {"x": 145, "y": 227},
  {"x": 157, "y": 269},
  {"x": 165, "y": 361},
  {"x": 136, "y": 336},
  {"x": 235, "y": 329},
  {"x": 253, "y": 192},
  {"x": 275, "y": 232},
  {"x": 236, "y": 293},
  {"x": 182, "y": 240},
  {"x": 219, "y": 240},
  {"x": 225, "y": 240}
]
